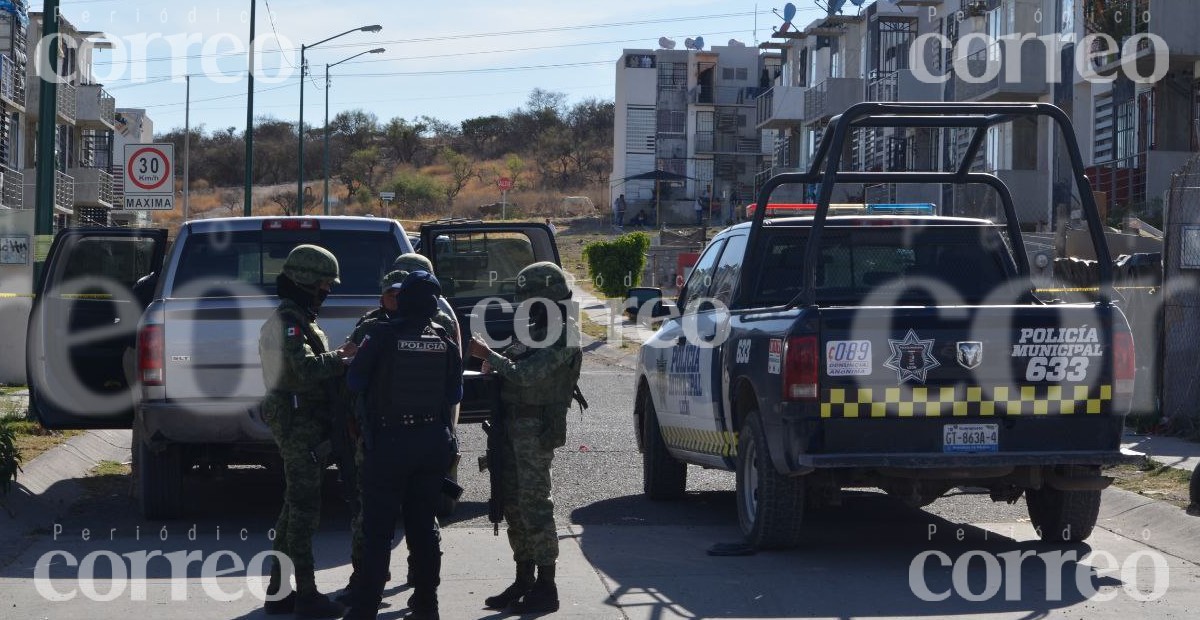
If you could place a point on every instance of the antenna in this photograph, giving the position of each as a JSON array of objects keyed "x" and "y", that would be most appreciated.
[{"x": 666, "y": 43}]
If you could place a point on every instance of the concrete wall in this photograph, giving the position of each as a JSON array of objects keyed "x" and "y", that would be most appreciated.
[{"x": 16, "y": 287}]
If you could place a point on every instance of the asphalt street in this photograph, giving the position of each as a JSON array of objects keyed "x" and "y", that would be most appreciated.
[{"x": 624, "y": 556}]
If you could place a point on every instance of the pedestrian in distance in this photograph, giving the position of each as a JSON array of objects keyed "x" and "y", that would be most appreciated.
[
  {"x": 538, "y": 384},
  {"x": 296, "y": 360},
  {"x": 619, "y": 211},
  {"x": 409, "y": 374}
]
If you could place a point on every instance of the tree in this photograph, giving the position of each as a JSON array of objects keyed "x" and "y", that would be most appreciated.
[
  {"x": 360, "y": 170},
  {"x": 355, "y": 129},
  {"x": 416, "y": 193},
  {"x": 484, "y": 136},
  {"x": 403, "y": 139},
  {"x": 461, "y": 170},
  {"x": 231, "y": 200},
  {"x": 286, "y": 200}
]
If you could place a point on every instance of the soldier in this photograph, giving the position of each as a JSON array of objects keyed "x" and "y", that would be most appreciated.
[
  {"x": 295, "y": 361},
  {"x": 406, "y": 263},
  {"x": 536, "y": 393},
  {"x": 409, "y": 374}
]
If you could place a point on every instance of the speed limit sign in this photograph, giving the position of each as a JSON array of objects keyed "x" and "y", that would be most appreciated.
[{"x": 149, "y": 179}]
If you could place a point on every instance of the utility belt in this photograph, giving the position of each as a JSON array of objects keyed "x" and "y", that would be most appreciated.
[{"x": 401, "y": 421}]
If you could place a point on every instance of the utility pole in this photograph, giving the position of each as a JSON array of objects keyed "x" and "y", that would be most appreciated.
[
  {"x": 43, "y": 227},
  {"x": 325, "y": 157},
  {"x": 249, "y": 180},
  {"x": 300, "y": 132},
  {"x": 187, "y": 148}
]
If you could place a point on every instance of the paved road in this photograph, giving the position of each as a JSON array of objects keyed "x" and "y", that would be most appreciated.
[{"x": 626, "y": 557}]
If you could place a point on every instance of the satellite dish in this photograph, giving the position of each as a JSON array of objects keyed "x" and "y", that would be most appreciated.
[
  {"x": 735, "y": 43},
  {"x": 789, "y": 11},
  {"x": 689, "y": 43},
  {"x": 699, "y": 43},
  {"x": 666, "y": 43}
]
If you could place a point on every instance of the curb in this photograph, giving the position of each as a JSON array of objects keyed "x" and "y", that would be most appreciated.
[
  {"x": 49, "y": 485},
  {"x": 1153, "y": 523}
]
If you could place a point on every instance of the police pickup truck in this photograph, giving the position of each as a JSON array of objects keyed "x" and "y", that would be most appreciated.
[
  {"x": 175, "y": 355},
  {"x": 908, "y": 353}
]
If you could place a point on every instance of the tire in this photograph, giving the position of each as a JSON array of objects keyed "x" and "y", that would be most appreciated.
[
  {"x": 664, "y": 477},
  {"x": 1063, "y": 516},
  {"x": 770, "y": 505},
  {"x": 159, "y": 480}
]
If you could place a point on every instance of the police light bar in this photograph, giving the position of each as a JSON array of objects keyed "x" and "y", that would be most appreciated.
[{"x": 916, "y": 208}]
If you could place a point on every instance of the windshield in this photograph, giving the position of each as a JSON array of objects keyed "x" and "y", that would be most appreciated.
[
  {"x": 972, "y": 261},
  {"x": 256, "y": 258}
]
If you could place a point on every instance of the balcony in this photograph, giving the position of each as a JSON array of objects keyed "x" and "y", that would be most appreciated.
[
  {"x": 1176, "y": 25},
  {"x": 64, "y": 191},
  {"x": 12, "y": 194},
  {"x": 1021, "y": 75},
  {"x": 65, "y": 106},
  {"x": 93, "y": 187},
  {"x": 96, "y": 109},
  {"x": 901, "y": 85},
  {"x": 830, "y": 98},
  {"x": 781, "y": 107},
  {"x": 12, "y": 82},
  {"x": 722, "y": 143}
]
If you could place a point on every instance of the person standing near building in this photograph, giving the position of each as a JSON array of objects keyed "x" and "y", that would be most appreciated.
[
  {"x": 409, "y": 374},
  {"x": 619, "y": 211},
  {"x": 536, "y": 392},
  {"x": 295, "y": 362}
]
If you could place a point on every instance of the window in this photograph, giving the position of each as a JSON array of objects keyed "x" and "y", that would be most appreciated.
[
  {"x": 256, "y": 258},
  {"x": 481, "y": 264},
  {"x": 742, "y": 74},
  {"x": 1126, "y": 134},
  {"x": 120, "y": 259},
  {"x": 639, "y": 130},
  {"x": 1102, "y": 129},
  {"x": 725, "y": 277},
  {"x": 727, "y": 73},
  {"x": 701, "y": 277}
]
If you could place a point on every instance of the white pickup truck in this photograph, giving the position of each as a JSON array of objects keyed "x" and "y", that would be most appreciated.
[{"x": 175, "y": 357}]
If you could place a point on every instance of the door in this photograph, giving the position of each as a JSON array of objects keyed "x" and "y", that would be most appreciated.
[
  {"x": 83, "y": 326},
  {"x": 477, "y": 265}
]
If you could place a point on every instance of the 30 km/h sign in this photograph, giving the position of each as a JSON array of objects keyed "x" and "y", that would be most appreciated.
[{"x": 149, "y": 182}]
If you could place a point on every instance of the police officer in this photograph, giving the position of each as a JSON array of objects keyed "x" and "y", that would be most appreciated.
[
  {"x": 407, "y": 263},
  {"x": 536, "y": 393},
  {"x": 295, "y": 360},
  {"x": 410, "y": 374}
]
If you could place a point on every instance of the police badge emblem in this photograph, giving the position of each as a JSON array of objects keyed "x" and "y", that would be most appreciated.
[{"x": 912, "y": 358}]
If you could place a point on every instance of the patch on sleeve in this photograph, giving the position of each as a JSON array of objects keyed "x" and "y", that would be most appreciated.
[{"x": 294, "y": 332}]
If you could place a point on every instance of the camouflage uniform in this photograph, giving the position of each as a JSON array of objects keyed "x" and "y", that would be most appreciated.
[
  {"x": 296, "y": 409},
  {"x": 536, "y": 395}
]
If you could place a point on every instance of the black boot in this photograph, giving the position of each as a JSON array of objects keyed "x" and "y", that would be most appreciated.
[
  {"x": 518, "y": 589},
  {"x": 317, "y": 605},
  {"x": 284, "y": 605},
  {"x": 347, "y": 595},
  {"x": 542, "y": 598}
]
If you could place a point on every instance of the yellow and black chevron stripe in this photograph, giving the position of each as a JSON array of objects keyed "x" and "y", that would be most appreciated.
[
  {"x": 700, "y": 441},
  {"x": 961, "y": 401}
]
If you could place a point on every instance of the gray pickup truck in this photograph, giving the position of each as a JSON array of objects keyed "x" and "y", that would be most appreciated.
[{"x": 126, "y": 333}]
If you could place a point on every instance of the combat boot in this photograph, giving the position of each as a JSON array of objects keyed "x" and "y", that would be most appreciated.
[
  {"x": 515, "y": 591},
  {"x": 542, "y": 598},
  {"x": 317, "y": 605},
  {"x": 284, "y": 605}
]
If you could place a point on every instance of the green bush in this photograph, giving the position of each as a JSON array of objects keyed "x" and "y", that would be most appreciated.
[
  {"x": 10, "y": 459},
  {"x": 615, "y": 266}
]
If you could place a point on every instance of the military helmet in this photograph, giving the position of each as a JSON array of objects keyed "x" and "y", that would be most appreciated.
[
  {"x": 310, "y": 265},
  {"x": 392, "y": 277},
  {"x": 412, "y": 262},
  {"x": 544, "y": 279}
]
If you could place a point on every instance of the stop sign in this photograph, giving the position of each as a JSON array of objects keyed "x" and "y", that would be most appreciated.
[{"x": 505, "y": 184}]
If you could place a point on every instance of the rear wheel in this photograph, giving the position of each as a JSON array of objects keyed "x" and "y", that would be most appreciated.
[
  {"x": 159, "y": 479},
  {"x": 770, "y": 505},
  {"x": 1063, "y": 516},
  {"x": 664, "y": 477}
]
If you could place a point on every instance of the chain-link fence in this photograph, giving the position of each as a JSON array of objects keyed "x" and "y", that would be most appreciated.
[{"x": 1180, "y": 325}]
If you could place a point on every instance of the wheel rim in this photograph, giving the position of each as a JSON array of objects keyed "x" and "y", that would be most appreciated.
[{"x": 750, "y": 481}]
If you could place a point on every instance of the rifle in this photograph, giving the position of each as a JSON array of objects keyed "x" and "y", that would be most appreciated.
[
  {"x": 494, "y": 464},
  {"x": 342, "y": 436}
]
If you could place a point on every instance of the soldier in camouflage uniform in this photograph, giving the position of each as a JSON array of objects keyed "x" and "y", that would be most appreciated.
[
  {"x": 403, "y": 265},
  {"x": 538, "y": 384},
  {"x": 295, "y": 361}
]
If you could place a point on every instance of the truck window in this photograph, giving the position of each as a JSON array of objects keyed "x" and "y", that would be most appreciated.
[
  {"x": 855, "y": 262},
  {"x": 247, "y": 257},
  {"x": 122, "y": 259},
  {"x": 481, "y": 264},
  {"x": 700, "y": 281},
  {"x": 725, "y": 277}
]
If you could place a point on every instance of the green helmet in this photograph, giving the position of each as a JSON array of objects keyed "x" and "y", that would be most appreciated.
[
  {"x": 392, "y": 277},
  {"x": 309, "y": 265},
  {"x": 544, "y": 279},
  {"x": 412, "y": 262}
]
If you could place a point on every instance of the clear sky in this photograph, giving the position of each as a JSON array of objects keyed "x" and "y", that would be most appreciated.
[{"x": 449, "y": 60}]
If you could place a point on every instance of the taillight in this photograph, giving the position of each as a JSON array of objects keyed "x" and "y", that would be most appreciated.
[
  {"x": 800, "y": 368},
  {"x": 291, "y": 224},
  {"x": 150, "y": 355},
  {"x": 1124, "y": 362}
]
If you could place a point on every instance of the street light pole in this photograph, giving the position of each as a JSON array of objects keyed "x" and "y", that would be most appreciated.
[
  {"x": 300, "y": 126},
  {"x": 248, "y": 191},
  {"x": 378, "y": 50}
]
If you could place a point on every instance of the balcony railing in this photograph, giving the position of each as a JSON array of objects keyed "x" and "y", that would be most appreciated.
[
  {"x": 709, "y": 142},
  {"x": 1027, "y": 81},
  {"x": 12, "y": 80},
  {"x": 13, "y": 194},
  {"x": 882, "y": 86},
  {"x": 831, "y": 97},
  {"x": 96, "y": 107},
  {"x": 64, "y": 191},
  {"x": 1122, "y": 181},
  {"x": 93, "y": 187},
  {"x": 781, "y": 106}
]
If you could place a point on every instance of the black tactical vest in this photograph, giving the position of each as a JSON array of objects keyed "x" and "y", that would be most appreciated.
[{"x": 412, "y": 380}]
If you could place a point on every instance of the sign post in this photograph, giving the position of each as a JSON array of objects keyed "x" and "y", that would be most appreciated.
[
  {"x": 149, "y": 178},
  {"x": 387, "y": 198},
  {"x": 505, "y": 184}
]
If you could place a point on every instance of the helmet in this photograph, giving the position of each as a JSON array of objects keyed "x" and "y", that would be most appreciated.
[
  {"x": 392, "y": 277},
  {"x": 544, "y": 279},
  {"x": 310, "y": 265},
  {"x": 412, "y": 262}
]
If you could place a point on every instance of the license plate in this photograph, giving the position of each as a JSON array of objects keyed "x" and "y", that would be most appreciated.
[{"x": 971, "y": 438}]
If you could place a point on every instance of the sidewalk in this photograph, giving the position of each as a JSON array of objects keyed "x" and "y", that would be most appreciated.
[{"x": 1170, "y": 451}]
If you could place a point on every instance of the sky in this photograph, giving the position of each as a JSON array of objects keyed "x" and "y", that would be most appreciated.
[{"x": 451, "y": 62}]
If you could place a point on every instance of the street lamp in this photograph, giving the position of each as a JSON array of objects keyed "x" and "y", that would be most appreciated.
[
  {"x": 378, "y": 50},
  {"x": 300, "y": 126}
]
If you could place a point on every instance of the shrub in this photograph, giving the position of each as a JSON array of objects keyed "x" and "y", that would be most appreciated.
[
  {"x": 10, "y": 459},
  {"x": 616, "y": 265}
]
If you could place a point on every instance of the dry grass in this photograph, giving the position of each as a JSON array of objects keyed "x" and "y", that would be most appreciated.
[
  {"x": 1154, "y": 481},
  {"x": 108, "y": 478}
]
